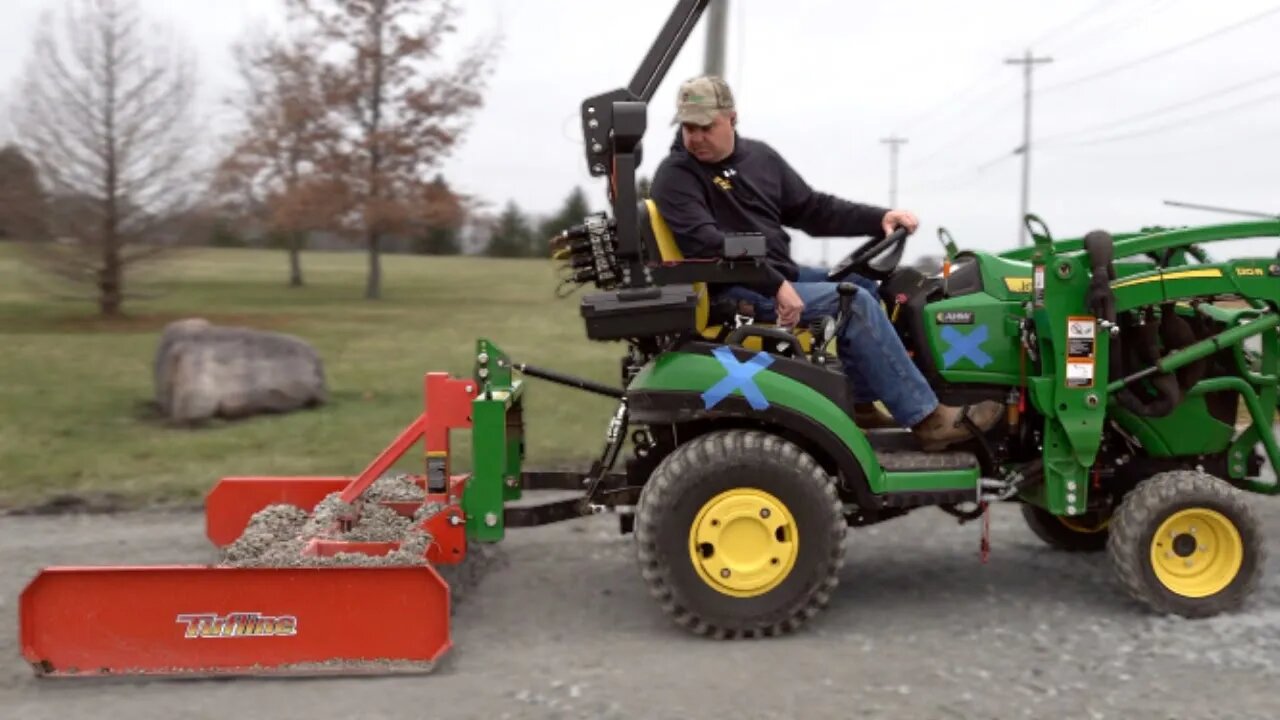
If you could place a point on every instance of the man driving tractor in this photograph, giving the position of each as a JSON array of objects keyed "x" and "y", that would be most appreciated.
[{"x": 715, "y": 181}]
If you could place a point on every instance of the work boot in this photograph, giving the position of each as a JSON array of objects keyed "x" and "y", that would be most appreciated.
[
  {"x": 943, "y": 427},
  {"x": 868, "y": 416}
]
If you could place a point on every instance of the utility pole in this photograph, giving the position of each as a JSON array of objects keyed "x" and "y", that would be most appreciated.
[
  {"x": 893, "y": 141},
  {"x": 1028, "y": 63},
  {"x": 717, "y": 29}
]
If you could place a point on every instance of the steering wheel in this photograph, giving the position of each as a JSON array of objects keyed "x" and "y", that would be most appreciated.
[{"x": 875, "y": 259}]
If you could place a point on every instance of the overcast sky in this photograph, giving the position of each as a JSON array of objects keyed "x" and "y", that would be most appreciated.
[{"x": 824, "y": 80}]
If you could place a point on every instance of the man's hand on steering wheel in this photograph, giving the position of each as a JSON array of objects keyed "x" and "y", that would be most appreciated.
[
  {"x": 878, "y": 257},
  {"x": 899, "y": 218}
]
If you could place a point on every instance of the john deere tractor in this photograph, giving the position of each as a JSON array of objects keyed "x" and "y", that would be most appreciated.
[{"x": 1120, "y": 359}]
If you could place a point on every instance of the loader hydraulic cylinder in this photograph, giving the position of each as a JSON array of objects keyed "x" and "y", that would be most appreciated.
[{"x": 1202, "y": 349}]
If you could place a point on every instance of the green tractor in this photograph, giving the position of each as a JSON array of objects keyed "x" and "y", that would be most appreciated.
[{"x": 1120, "y": 359}]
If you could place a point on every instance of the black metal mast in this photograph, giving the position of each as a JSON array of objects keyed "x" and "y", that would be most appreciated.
[{"x": 614, "y": 123}]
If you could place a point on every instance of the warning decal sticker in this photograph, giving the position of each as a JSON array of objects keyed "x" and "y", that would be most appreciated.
[{"x": 1081, "y": 350}]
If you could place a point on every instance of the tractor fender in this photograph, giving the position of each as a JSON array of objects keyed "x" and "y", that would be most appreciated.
[
  {"x": 702, "y": 381},
  {"x": 685, "y": 411}
]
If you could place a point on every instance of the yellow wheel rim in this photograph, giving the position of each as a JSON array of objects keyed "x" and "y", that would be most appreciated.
[
  {"x": 1197, "y": 552},
  {"x": 743, "y": 542}
]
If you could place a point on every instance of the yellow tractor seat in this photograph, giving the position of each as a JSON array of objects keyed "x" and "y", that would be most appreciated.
[{"x": 660, "y": 243}]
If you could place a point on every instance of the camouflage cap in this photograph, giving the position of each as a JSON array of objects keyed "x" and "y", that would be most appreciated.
[{"x": 701, "y": 98}]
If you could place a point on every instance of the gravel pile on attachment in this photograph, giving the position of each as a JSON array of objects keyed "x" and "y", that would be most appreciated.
[
  {"x": 428, "y": 510},
  {"x": 395, "y": 488},
  {"x": 277, "y": 534},
  {"x": 270, "y": 531},
  {"x": 326, "y": 516}
]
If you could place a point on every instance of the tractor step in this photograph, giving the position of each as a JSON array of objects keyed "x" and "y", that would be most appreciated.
[
  {"x": 915, "y": 477},
  {"x": 917, "y": 461},
  {"x": 195, "y": 620}
]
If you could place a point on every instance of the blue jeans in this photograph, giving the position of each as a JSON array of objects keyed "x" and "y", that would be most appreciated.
[{"x": 873, "y": 357}]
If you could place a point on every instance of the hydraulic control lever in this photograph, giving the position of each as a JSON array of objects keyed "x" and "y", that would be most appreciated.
[
  {"x": 846, "y": 290},
  {"x": 825, "y": 329}
]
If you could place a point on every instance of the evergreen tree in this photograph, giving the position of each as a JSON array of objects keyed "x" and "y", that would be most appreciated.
[
  {"x": 23, "y": 212},
  {"x": 513, "y": 237},
  {"x": 442, "y": 214},
  {"x": 572, "y": 212},
  {"x": 442, "y": 240}
]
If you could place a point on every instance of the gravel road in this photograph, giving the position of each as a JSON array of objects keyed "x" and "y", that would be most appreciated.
[{"x": 559, "y": 625}]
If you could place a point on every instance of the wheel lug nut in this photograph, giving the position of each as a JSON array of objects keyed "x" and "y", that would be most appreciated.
[
  {"x": 724, "y": 573},
  {"x": 764, "y": 512},
  {"x": 1189, "y": 563}
]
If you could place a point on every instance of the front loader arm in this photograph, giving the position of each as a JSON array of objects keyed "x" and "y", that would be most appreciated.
[
  {"x": 1075, "y": 333},
  {"x": 1071, "y": 388}
]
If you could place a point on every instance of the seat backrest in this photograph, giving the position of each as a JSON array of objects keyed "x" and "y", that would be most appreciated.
[{"x": 660, "y": 244}]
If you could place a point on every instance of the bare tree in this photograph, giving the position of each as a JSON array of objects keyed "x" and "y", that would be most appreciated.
[
  {"x": 279, "y": 171},
  {"x": 104, "y": 116},
  {"x": 398, "y": 119}
]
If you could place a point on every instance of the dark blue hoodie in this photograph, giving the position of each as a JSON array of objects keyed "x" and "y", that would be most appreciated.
[{"x": 752, "y": 190}]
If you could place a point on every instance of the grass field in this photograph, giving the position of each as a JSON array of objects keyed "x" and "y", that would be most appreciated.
[{"x": 75, "y": 390}]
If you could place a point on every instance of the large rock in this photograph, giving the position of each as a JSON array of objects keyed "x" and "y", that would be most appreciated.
[{"x": 204, "y": 371}]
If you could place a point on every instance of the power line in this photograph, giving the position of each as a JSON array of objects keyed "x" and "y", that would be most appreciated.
[
  {"x": 954, "y": 179},
  {"x": 949, "y": 180},
  {"x": 951, "y": 103},
  {"x": 1100, "y": 35},
  {"x": 955, "y": 139},
  {"x": 977, "y": 121},
  {"x": 1232, "y": 144},
  {"x": 983, "y": 167},
  {"x": 1181, "y": 122},
  {"x": 1160, "y": 110},
  {"x": 1093, "y": 10},
  {"x": 1165, "y": 52}
]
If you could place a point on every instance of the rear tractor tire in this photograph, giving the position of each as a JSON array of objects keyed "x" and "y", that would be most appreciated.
[
  {"x": 740, "y": 534},
  {"x": 1186, "y": 543},
  {"x": 1086, "y": 533}
]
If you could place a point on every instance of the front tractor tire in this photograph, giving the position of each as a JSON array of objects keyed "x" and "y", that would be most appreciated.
[
  {"x": 1186, "y": 543},
  {"x": 740, "y": 534},
  {"x": 1085, "y": 534}
]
